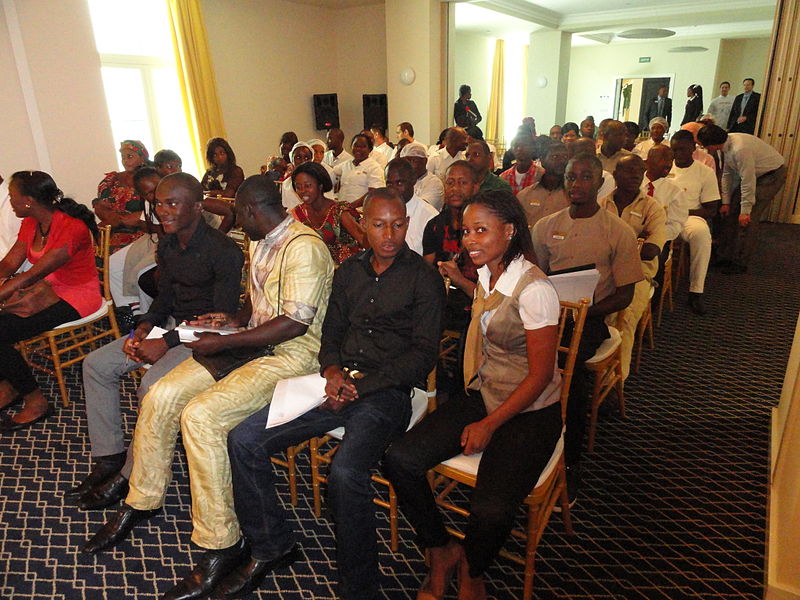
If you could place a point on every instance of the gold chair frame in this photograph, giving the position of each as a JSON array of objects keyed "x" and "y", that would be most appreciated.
[
  {"x": 80, "y": 336},
  {"x": 548, "y": 492}
]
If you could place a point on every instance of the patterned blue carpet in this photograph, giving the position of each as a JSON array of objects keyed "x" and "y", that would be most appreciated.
[{"x": 673, "y": 504}]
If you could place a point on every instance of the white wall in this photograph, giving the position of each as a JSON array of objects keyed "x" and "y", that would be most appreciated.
[
  {"x": 742, "y": 58},
  {"x": 415, "y": 34},
  {"x": 64, "y": 81},
  {"x": 271, "y": 56},
  {"x": 360, "y": 43},
  {"x": 472, "y": 65},
  {"x": 594, "y": 69},
  {"x": 269, "y": 59}
]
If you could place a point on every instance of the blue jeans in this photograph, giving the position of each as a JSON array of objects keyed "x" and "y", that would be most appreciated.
[{"x": 371, "y": 424}]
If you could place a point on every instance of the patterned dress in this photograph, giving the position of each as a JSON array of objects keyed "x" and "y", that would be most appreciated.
[
  {"x": 123, "y": 200},
  {"x": 341, "y": 244}
]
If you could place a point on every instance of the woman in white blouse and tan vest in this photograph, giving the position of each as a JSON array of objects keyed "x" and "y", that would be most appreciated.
[{"x": 509, "y": 409}]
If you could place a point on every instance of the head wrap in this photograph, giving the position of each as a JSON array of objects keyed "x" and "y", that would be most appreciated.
[
  {"x": 658, "y": 120},
  {"x": 300, "y": 145},
  {"x": 414, "y": 149},
  {"x": 137, "y": 147},
  {"x": 317, "y": 142}
]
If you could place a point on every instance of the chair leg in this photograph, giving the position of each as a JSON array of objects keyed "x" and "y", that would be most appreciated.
[
  {"x": 58, "y": 370},
  {"x": 315, "y": 479},
  {"x": 620, "y": 385},
  {"x": 394, "y": 537},
  {"x": 290, "y": 461},
  {"x": 651, "y": 332},
  {"x": 595, "y": 405}
]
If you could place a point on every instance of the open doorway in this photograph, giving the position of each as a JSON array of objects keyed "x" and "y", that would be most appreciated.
[{"x": 634, "y": 94}]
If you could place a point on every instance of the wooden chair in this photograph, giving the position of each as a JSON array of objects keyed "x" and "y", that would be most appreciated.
[
  {"x": 645, "y": 325},
  {"x": 324, "y": 448},
  {"x": 666, "y": 289},
  {"x": 70, "y": 342},
  {"x": 552, "y": 485},
  {"x": 606, "y": 364},
  {"x": 680, "y": 249},
  {"x": 290, "y": 464}
]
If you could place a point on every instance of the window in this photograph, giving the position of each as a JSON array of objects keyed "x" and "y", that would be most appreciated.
[{"x": 139, "y": 77}]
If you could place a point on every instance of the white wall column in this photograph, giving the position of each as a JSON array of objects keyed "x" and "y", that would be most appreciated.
[
  {"x": 415, "y": 51},
  {"x": 548, "y": 77}
]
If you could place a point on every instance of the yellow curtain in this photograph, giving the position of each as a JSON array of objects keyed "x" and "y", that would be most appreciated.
[
  {"x": 196, "y": 75},
  {"x": 494, "y": 118}
]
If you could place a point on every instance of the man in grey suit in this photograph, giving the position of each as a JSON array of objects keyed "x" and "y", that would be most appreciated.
[
  {"x": 660, "y": 106},
  {"x": 745, "y": 109}
]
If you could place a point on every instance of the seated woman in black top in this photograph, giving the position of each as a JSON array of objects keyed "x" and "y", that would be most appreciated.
[{"x": 223, "y": 176}]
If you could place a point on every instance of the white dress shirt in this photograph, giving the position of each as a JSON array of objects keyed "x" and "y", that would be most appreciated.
[
  {"x": 439, "y": 161},
  {"x": 698, "y": 182},
  {"x": 642, "y": 148},
  {"x": 385, "y": 151},
  {"x": 431, "y": 189},
  {"x": 674, "y": 201},
  {"x": 748, "y": 158},
  {"x": 419, "y": 213},
  {"x": 332, "y": 161},
  {"x": 356, "y": 180}
]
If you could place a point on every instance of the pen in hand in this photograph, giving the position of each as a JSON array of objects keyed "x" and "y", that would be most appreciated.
[{"x": 127, "y": 356}]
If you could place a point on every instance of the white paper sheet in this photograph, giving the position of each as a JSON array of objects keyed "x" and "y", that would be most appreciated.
[
  {"x": 572, "y": 287},
  {"x": 294, "y": 397}
]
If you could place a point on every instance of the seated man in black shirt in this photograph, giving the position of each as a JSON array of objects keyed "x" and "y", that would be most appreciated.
[
  {"x": 383, "y": 320},
  {"x": 200, "y": 272}
]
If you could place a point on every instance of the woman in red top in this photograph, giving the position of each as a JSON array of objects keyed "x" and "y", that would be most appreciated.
[
  {"x": 335, "y": 222},
  {"x": 56, "y": 238}
]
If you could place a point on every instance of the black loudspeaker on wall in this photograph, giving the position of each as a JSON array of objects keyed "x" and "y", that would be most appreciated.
[
  {"x": 376, "y": 111},
  {"x": 326, "y": 111}
]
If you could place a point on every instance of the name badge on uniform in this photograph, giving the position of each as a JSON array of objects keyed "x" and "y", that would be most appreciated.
[
  {"x": 635, "y": 214},
  {"x": 535, "y": 203},
  {"x": 559, "y": 236}
]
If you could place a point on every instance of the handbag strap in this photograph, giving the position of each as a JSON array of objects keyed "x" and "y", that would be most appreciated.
[{"x": 283, "y": 261}]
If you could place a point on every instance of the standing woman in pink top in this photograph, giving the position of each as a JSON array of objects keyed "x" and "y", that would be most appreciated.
[{"x": 56, "y": 238}]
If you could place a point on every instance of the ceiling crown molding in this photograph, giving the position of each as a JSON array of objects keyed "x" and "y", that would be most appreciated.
[{"x": 526, "y": 11}]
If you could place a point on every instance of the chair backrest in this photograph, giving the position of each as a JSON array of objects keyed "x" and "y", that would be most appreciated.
[
  {"x": 568, "y": 348},
  {"x": 102, "y": 252}
]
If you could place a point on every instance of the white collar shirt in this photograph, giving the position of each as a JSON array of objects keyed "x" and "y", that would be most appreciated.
[
  {"x": 438, "y": 163},
  {"x": 431, "y": 189},
  {"x": 673, "y": 199},
  {"x": 419, "y": 213},
  {"x": 332, "y": 161},
  {"x": 748, "y": 158},
  {"x": 698, "y": 182},
  {"x": 357, "y": 180}
]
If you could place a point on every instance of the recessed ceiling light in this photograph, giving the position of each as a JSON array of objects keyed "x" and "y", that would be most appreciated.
[
  {"x": 645, "y": 34},
  {"x": 688, "y": 49}
]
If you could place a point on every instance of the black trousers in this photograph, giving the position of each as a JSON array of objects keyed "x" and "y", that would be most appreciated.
[
  {"x": 510, "y": 467},
  {"x": 595, "y": 331},
  {"x": 13, "y": 329}
]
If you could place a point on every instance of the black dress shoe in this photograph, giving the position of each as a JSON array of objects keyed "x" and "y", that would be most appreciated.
[
  {"x": 107, "y": 493},
  {"x": 104, "y": 468},
  {"x": 250, "y": 575},
  {"x": 212, "y": 568},
  {"x": 8, "y": 424},
  {"x": 696, "y": 304},
  {"x": 120, "y": 525}
]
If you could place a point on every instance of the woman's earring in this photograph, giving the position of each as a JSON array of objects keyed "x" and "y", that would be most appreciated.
[{"x": 27, "y": 206}]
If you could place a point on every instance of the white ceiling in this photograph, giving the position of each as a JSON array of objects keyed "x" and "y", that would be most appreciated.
[{"x": 515, "y": 19}]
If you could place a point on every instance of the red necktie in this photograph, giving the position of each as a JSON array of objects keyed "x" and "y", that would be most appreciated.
[{"x": 650, "y": 188}]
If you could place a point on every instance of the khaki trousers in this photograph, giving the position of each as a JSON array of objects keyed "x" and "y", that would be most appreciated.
[
  {"x": 205, "y": 411},
  {"x": 632, "y": 314}
]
